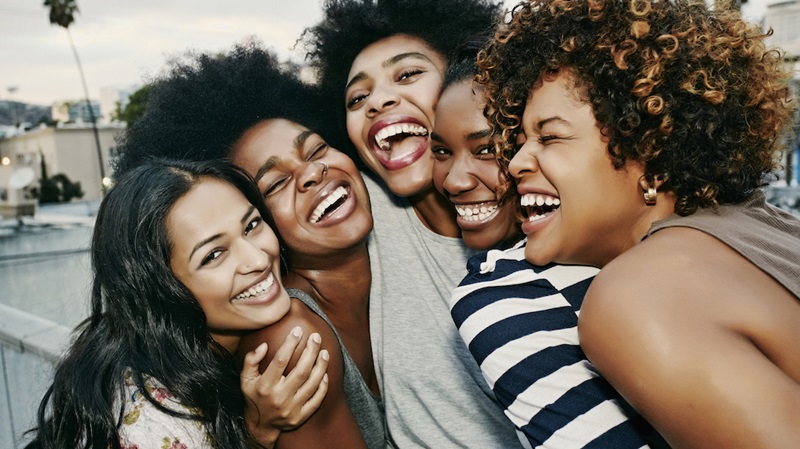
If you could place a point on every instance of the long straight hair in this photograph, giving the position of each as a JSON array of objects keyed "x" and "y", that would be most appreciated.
[{"x": 145, "y": 320}]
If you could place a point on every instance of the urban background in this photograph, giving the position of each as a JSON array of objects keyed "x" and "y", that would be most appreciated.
[{"x": 55, "y": 162}]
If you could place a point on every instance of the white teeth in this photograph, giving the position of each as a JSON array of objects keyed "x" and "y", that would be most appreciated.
[
  {"x": 533, "y": 199},
  {"x": 476, "y": 213},
  {"x": 393, "y": 130},
  {"x": 334, "y": 196},
  {"x": 258, "y": 288}
]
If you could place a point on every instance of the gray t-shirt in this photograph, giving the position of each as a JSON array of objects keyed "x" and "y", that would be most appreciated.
[
  {"x": 367, "y": 409},
  {"x": 434, "y": 393}
]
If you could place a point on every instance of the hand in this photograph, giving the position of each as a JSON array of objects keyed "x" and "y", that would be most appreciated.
[{"x": 277, "y": 402}]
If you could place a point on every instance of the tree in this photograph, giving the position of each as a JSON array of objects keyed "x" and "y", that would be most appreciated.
[
  {"x": 137, "y": 103},
  {"x": 62, "y": 13}
]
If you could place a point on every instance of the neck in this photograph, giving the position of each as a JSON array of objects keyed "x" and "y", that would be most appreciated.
[
  {"x": 436, "y": 213},
  {"x": 340, "y": 285}
]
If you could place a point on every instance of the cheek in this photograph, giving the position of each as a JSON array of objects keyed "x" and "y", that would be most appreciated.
[{"x": 440, "y": 171}]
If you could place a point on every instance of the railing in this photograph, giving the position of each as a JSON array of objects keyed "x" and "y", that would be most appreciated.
[{"x": 29, "y": 347}]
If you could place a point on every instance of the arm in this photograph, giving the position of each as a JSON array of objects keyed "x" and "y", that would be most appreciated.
[
  {"x": 333, "y": 424},
  {"x": 676, "y": 333}
]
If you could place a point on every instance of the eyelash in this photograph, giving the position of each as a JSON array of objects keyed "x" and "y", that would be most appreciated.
[
  {"x": 544, "y": 139},
  {"x": 405, "y": 74},
  {"x": 214, "y": 255}
]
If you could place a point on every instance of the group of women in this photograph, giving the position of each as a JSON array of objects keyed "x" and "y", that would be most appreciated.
[{"x": 253, "y": 288}]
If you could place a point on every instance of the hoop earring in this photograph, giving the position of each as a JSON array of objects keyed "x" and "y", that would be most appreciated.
[
  {"x": 324, "y": 167},
  {"x": 650, "y": 195}
]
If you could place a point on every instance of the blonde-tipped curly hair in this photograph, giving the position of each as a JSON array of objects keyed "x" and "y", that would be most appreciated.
[{"x": 691, "y": 91}]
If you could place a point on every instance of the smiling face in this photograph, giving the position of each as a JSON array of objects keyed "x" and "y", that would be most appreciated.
[
  {"x": 315, "y": 193},
  {"x": 390, "y": 97},
  {"x": 227, "y": 256},
  {"x": 466, "y": 170},
  {"x": 580, "y": 208}
]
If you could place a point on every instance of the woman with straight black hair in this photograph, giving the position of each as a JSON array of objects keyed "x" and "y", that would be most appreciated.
[{"x": 184, "y": 265}]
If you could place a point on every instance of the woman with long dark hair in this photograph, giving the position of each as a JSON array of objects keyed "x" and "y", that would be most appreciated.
[{"x": 184, "y": 265}]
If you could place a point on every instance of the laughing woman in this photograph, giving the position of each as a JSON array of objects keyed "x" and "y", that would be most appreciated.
[
  {"x": 184, "y": 266},
  {"x": 244, "y": 108},
  {"x": 655, "y": 124}
]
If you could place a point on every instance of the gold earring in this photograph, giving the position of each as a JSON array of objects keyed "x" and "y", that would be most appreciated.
[{"x": 650, "y": 195}]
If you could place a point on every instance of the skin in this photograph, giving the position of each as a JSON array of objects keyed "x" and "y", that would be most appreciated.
[
  {"x": 465, "y": 170},
  {"x": 288, "y": 163},
  {"x": 222, "y": 248},
  {"x": 563, "y": 156},
  {"x": 396, "y": 81},
  {"x": 693, "y": 335}
]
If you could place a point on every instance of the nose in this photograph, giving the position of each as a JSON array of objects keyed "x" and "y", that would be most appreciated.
[
  {"x": 380, "y": 99},
  {"x": 311, "y": 172},
  {"x": 252, "y": 258},
  {"x": 524, "y": 161},
  {"x": 459, "y": 178}
]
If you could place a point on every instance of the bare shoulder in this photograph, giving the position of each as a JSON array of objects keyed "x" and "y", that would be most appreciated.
[
  {"x": 699, "y": 340},
  {"x": 299, "y": 315}
]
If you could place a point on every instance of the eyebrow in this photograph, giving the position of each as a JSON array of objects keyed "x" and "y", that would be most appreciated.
[
  {"x": 471, "y": 136},
  {"x": 207, "y": 240},
  {"x": 554, "y": 118},
  {"x": 389, "y": 62},
  {"x": 298, "y": 143}
]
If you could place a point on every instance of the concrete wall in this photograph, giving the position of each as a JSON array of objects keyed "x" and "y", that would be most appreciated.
[{"x": 29, "y": 347}]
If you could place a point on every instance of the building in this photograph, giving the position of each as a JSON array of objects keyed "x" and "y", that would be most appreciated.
[
  {"x": 113, "y": 98},
  {"x": 67, "y": 149},
  {"x": 783, "y": 18},
  {"x": 75, "y": 111}
]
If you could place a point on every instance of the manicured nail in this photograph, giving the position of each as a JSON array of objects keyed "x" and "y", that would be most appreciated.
[
  {"x": 297, "y": 331},
  {"x": 325, "y": 377},
  {"x": 316, "y": 338},
  {"x": 324, "y": 354}
]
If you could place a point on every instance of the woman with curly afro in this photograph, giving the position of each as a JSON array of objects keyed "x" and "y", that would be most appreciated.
[
  {"x": 639, "y": 134},
  {"x": 381, "y": 64}
]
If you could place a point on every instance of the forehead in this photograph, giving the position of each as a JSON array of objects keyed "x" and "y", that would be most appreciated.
[
  {"x": 379, "y": 54},
  {"x": 460, "y": 109},
  {"x": 202, "y": 210},
  {"x": 269, "y": 138}
]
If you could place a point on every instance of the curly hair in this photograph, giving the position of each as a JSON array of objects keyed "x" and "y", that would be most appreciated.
[
  {"x": 205, "y": 102},
  {"x": 691, "y": 92},
  {"x": 349, "y": 26}
]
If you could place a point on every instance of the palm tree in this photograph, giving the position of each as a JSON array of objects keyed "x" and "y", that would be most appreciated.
[{"x": 62, "y": 13}]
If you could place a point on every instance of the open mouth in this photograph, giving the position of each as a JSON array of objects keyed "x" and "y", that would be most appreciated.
[
  {"x": 392, "y": 134},
  {"x": 476, "y": 212},
  {"x": 332, "y": 202},
  {"x": 538, "y": 206},
  {"x": 257, "y": 289}
]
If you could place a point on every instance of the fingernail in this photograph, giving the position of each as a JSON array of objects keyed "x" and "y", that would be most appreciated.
[
  {"x": 297, "y": 331},
  {"x": 325, "y": 377},
  {"x": 262, "y": 346},
  {"x": 324, "y": 354},
  {"x": 316, "y": 338}
]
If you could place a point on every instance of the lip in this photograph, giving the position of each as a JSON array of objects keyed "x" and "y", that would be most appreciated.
[
  {"x": 341, "y": 213},
  {"x": 529, "y": 227},
  {"x": 474, "y": 224},
  {"x": 262, "y": 297},
  {"x": 382, "y": 156}
]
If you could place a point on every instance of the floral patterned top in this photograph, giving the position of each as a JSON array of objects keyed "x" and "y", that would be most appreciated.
[{"x": 144, "y": 426}]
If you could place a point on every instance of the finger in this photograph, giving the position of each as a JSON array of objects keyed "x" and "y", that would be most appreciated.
[
  {"x": 251, "y": 361},
  {"x": 305, "y": 364},
  {"x": 315, "y": 401},
  {"x": 277, "y": 366},
  {"x": 311, "y": 386}
]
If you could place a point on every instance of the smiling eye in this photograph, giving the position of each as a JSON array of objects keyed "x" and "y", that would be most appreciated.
[
  {"x": 275, "y": 186},
  {"x": 211, "y": 257},
  {"x": 253, "y": 225},
  {"x": 408, "y": 73},
  {"x": 318, "y": 151},
  {"x": 486, "y": 152},
  {"x": 547, "y": 138},
  {"x": 355, "y": 100}
]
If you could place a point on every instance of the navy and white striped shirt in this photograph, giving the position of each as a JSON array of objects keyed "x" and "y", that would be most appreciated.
[{"x": 520, "y": 322}]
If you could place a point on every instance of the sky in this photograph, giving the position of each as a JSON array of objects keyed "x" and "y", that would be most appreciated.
[{"x": 122, "y": 42}]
